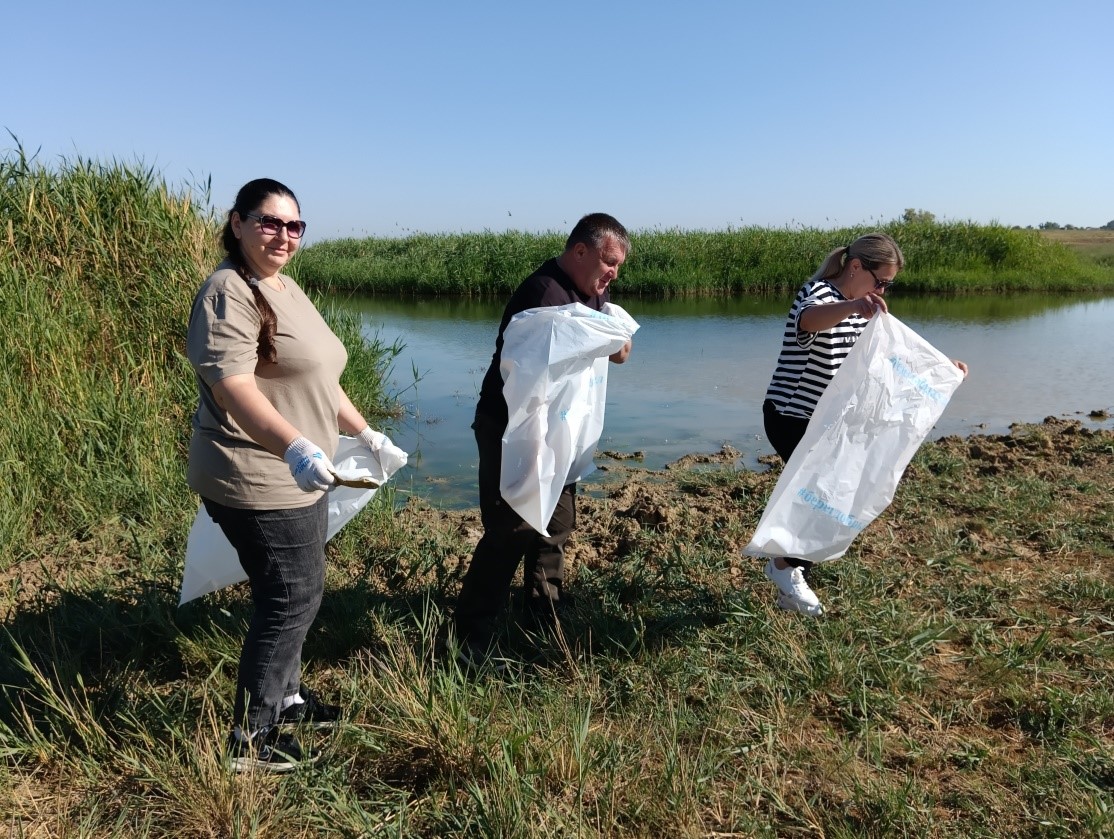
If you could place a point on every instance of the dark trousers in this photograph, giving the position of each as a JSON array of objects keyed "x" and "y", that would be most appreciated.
[
  {"x": 507, "y": 541},
  {"x": 283, "y": 554},
  {"x": 784, "y": 433}
]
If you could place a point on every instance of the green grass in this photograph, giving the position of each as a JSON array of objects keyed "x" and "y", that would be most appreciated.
[
  {"x": 942, "y": 257},
  {"x": 960, "y": 685}
]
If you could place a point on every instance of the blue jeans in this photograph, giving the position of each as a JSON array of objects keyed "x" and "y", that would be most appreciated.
[{"x": 283, "y": 554}]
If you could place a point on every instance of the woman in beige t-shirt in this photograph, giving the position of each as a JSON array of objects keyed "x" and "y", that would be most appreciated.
[{"x": 269, "y": 408}]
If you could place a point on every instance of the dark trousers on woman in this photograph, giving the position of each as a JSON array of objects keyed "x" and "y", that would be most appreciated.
[
  {"x": 283, "y": 554},
  {"x": 784, "y": 433},
  {"x": 507, "y": 541}
]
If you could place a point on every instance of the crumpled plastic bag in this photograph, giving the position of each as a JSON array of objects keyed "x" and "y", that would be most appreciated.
[
  {"x": 554, "y": 367},
  {"x": 879, "y": 407},
  {"x": 211, "y": 561}
]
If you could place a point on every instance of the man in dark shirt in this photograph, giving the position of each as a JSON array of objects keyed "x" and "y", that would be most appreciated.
[{"x": 594, "y": 251}]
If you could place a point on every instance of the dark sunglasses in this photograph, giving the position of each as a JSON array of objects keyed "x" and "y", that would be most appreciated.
[
  {"x": 271, "y": 226},
  {"x": 881, "y": 285}
]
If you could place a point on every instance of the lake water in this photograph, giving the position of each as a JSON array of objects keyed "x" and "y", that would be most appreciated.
[{"x": 699, "y": 369}]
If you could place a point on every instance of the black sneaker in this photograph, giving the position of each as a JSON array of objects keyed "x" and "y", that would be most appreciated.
[
  {"x": 270, "y": 750},
  {"x": 311, "y": 711},
  {"x": 475, "y": 655},
  {"x": 544, "y": 619}
]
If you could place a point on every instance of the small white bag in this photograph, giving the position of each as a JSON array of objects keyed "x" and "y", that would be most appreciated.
[
  {"x": 212, "y": 563},
  {"x": 554, "y": 368},
  {"x": 868, "y": 424}
]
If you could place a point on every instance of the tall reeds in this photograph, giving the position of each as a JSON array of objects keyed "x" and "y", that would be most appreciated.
[
  {"x": 942, "y": 256},
  {"x": 98, "y": 263}
]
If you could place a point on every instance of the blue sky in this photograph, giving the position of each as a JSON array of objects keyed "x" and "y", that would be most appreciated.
[{"x": 390, "y": 118}]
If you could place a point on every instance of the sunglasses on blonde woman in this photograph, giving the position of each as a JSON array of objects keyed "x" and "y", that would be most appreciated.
[
  {"x": 881, "y": 285},
  {"x": 271, "y": 226}
]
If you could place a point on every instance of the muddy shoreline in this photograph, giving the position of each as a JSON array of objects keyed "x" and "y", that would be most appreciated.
[{"x": 637, "y": 509}]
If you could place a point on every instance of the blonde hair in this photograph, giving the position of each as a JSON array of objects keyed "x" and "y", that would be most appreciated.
[{"x": 872, "y": 250}]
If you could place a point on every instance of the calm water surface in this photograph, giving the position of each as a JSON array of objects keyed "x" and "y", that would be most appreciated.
[{"x": 699, "y": 369}]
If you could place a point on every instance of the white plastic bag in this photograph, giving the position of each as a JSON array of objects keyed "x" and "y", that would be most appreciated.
[
  {"x": 554, "y": 368},
  {"x": 868, "y": 424},
  {"x": 211, "y": 562}
]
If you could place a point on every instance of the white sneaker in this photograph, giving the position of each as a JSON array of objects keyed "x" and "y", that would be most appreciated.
[{"x": 794, "y": 593}]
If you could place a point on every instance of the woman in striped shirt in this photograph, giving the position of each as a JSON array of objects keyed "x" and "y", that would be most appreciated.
[{"x": 825, "y": 320}]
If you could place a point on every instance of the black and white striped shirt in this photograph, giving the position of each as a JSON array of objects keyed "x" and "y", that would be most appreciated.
[{"x": 809, "y": 360}]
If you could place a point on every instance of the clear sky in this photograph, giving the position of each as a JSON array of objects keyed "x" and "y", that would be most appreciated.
[{"x": 390, "y": 118}]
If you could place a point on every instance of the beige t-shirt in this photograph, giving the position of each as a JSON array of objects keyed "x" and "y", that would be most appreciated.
[{"x": 225, "y": 464}]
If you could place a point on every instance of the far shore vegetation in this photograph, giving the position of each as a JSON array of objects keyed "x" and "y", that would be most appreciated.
[
  {"x": 962, "y": 684},
  {"x": 942, "y": 257}
]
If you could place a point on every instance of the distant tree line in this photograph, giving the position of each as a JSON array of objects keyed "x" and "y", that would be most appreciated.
[
  {"x": 914, "y": 215},
  {"x": 1052, "y": 225}
]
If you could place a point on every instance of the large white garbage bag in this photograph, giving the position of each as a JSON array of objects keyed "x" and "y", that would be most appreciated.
[
  {"x": 211, "y": 562},
  {"x": 554, "y": 368},
  {"x": 867, "y": 426}
]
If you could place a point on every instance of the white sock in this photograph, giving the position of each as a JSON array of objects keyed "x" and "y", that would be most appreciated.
[
  {"x": 293, "y": 699},
  {"x": 239, "y": 736}
]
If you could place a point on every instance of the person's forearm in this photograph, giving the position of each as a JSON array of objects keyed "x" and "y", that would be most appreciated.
[
  {"x": 349, "y": 419},
  {"x": 826, "y": 315},
  {"x": 254, "y": 413}
]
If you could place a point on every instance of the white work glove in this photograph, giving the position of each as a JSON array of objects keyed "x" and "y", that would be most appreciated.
[
  {"x": 373, "y": 439},
  {"x": 310, "y": 467},
  {"x": 386, "y": 457}
]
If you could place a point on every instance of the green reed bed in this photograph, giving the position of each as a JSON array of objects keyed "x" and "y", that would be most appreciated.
[
  {"x": 96, "y": 265},
  {"x": 954, "y": 257}
]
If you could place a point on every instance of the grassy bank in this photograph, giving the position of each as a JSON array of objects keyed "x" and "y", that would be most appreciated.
[
  {"x": 953, "y": 257},
  {"x": 960, "y": 686}
]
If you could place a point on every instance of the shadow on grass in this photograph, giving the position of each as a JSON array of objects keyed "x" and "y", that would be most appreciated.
[
  {"x": 71, "y": 656},
  {"x": 104, "y": 650},
  {"x": 119, "y": 652},
  {"x": 603, "y": 619}
]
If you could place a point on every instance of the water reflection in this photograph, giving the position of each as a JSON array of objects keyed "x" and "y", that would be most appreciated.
[
  {"x": 699, "y": 370},
  {"x": 982, "y": 308}
]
